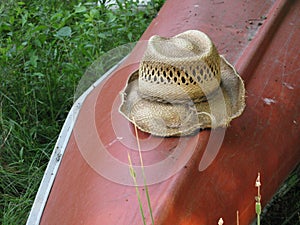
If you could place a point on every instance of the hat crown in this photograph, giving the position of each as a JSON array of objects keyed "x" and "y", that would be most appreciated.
[{"x": 184, "y": 67}]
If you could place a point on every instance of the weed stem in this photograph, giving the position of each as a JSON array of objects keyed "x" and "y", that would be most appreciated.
[{"x": 143, "y": 173}]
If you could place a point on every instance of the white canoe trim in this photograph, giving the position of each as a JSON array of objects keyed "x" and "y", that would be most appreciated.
[{"x": 58, "y": 152}]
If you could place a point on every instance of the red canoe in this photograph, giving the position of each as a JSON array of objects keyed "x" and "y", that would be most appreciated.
[{"x": 87, "y": 180}]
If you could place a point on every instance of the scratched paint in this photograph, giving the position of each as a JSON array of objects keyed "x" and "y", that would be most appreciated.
[{"x": 269, "y": 101}]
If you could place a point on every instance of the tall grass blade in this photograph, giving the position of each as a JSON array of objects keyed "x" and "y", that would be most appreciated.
[
  {"x": 133, "y": 175},
  {"x": 144, "y": 177}
]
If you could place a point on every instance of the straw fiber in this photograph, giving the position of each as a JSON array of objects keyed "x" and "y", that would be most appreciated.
[{"x": 182, "y": 85}]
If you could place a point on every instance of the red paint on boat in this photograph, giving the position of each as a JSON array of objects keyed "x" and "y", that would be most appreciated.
[{"x": 262, "y": 39}]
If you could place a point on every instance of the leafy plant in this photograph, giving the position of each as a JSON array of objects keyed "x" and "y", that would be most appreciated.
[{"x": 45, "y": 48}]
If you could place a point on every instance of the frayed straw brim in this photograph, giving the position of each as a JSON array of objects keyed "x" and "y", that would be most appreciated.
[{"x": 174, "y": 119}]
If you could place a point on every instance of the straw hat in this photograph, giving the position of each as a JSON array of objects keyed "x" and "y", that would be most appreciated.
[{"x": 182, "y": 85}]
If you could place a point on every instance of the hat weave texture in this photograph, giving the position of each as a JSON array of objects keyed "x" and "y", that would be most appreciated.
[{"x": 182, "y": 85}]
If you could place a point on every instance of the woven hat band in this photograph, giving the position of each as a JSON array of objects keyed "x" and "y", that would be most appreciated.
[{"x": 169, "y": 83}]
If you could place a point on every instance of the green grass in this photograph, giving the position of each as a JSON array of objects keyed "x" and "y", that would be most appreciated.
[
  {"x": 284, "y": 208},
  {"x": 45, "y": 48}
]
